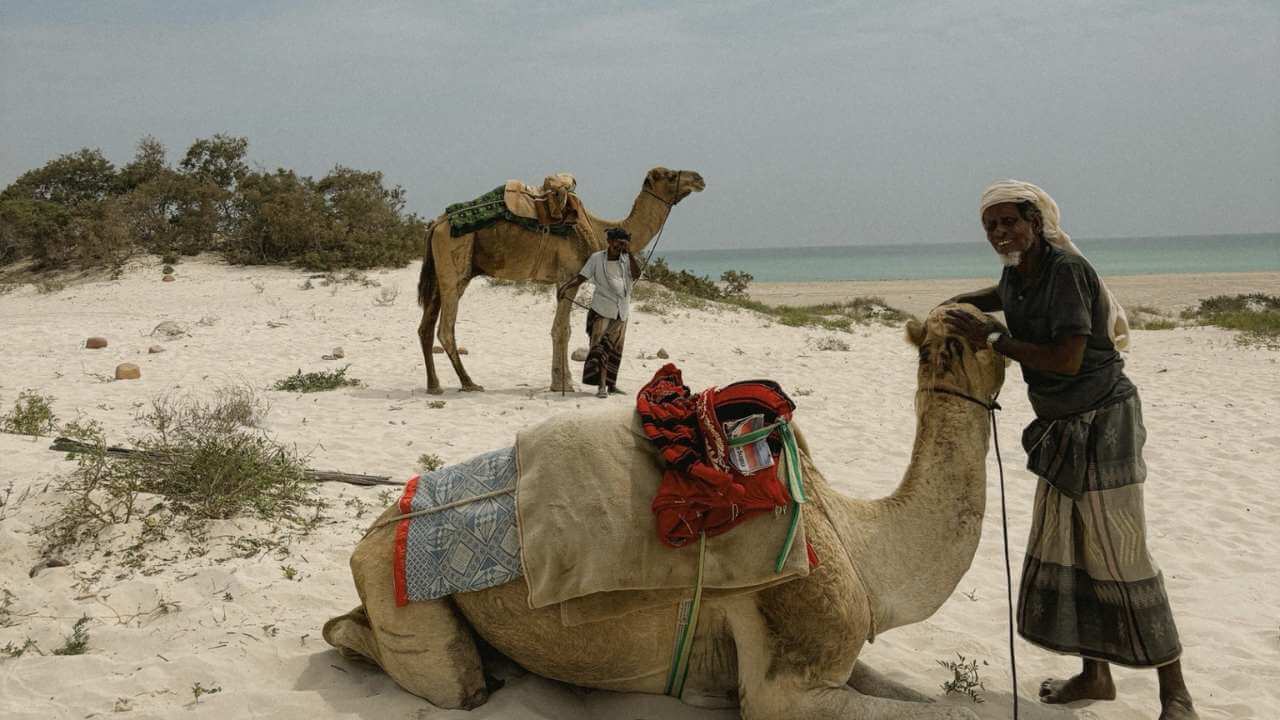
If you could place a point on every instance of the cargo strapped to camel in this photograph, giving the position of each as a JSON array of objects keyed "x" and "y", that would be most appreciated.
[{"x": 553, "y": 208}]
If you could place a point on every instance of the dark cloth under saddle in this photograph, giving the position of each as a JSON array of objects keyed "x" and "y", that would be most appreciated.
[{"x": 553, "y": 208}]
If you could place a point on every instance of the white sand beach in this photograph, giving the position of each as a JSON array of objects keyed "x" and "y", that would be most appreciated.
[{"x": 172, "y": 615}]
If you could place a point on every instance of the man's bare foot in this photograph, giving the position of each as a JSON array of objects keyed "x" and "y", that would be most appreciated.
[
  {"x": 1079, "y": 687},
  {"x": 1178, "y": 708}
]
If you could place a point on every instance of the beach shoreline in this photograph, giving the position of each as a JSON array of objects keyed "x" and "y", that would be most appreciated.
[{"x": 1167, "y": 292}]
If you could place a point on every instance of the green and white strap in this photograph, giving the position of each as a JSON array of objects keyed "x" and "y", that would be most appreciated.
[{"x": 793, "y": 475}]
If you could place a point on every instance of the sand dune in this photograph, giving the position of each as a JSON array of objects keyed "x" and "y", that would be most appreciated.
[{"x": 230, "y": 619}]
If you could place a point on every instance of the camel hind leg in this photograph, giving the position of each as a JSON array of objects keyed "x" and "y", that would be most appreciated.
[
  {"x": 448, "y": 318},
  {"x": 427, "y": 647},
  {"x": 453, "y": 274},
  {"x": 429, "y": 299},
  {"x": 426, "y": 329}
]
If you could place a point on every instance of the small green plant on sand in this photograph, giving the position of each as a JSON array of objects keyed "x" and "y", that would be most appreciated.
[
  {"x": 964, "y": 677},
  {"x": 16, "y": 651},
  {"x": 197, "y": 690},
  {"x": 78, "y": 643},
  {"x": 316, "y": 381},
  {"x": 430, "y": 461},
  {"x": 290, "y": 572},
  {"x": 32, "y": 414}
]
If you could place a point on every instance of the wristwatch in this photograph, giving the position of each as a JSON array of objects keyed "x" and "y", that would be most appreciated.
[{"x": 993, "y": 337}]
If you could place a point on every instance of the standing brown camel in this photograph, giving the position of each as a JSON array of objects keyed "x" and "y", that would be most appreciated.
[{"x": 510, "y": 252}]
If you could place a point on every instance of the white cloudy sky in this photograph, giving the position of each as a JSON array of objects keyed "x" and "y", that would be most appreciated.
[{"x": 813, "y": 123}]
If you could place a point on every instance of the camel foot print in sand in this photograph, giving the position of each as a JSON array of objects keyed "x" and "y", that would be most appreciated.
[
  {"x": 1178, "y": 708},
  {"x": 1077, "y": 687},
  {"x": 472, "y": 387}
]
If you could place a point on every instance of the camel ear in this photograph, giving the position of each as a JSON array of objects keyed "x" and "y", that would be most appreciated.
[{"x": 915, "y": 332}]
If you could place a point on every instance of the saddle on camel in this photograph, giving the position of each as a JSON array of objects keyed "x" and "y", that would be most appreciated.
[
  {"x": 552, "y": 208},
  {"x": 599, "y": 529}
]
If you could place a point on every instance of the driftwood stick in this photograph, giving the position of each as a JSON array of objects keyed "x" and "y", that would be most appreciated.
[{"x": 63, "y": 444}]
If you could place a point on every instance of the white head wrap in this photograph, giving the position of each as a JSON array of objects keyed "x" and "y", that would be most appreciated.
[{"x": 1015, "y": 191}]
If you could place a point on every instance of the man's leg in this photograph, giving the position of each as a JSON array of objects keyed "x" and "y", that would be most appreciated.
[
  {"x": 1175, "y": 699},
  {"x": 1093, "y": 683}
]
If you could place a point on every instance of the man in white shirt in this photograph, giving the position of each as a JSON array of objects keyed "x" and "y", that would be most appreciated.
[{"x": 613, "y": 274}]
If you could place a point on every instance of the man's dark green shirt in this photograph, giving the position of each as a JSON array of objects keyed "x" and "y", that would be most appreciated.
[{"x": 1066, "y": 299}]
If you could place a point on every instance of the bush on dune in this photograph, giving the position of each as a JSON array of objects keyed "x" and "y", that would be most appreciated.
[
  {"x": 1255, "y": 315},
  {"x": 79, "y": 212},
  {"x": 687, "y": 290}
]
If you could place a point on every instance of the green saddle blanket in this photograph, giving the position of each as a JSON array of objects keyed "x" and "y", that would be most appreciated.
[{"x": 489, "y": 208}]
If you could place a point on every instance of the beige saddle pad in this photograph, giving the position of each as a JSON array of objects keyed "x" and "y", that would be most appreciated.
[
  {"x": 587, "y": 536},
  {"x": 547, "y": 204}
]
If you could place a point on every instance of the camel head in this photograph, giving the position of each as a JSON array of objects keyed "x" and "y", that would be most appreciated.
[
  {"x": 673, "y": 185},
  {"x": 947, "y": 360}
]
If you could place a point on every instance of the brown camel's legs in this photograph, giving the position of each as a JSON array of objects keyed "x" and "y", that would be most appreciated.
[
  {"x": 448, "y": 317},
  {"x": 426, "y": 331}
]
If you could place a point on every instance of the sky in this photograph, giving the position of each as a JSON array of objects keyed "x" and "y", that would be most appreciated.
[{"x": 813, "y": 123}]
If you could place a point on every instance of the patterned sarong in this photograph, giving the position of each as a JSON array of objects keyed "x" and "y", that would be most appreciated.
[
  {"x": 607, "y": 338},
  {"x": 1089, "y": 586},
  {"x": 472, "y": 545}
]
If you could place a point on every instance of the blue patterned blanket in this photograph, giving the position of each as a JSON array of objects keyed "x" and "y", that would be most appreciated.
[{"x": 466, "y": 537}]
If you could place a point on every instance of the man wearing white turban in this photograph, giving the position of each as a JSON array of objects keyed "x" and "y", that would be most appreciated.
[{"x": 1089, "y": 587}]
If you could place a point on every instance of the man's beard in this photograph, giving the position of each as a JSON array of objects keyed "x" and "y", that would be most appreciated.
[{"x": 1010, "y": 259}]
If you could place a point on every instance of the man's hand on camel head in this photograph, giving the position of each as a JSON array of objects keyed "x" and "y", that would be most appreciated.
[{"x": 973, "y": 329}]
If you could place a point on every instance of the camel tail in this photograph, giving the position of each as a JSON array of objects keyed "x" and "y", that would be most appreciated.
[{"x": 427, "y": 278}]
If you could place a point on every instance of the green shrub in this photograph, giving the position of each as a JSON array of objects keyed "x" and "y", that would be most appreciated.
[
  {"x": 736, "y": 283},
  {"x": 199, "y": 457},
  {"x": 347, "y": 219},
  {"x": 32, "y": 414},
  {"x": 316, "y": 381},
  {"x": 682, "y": 281},
  {"x": 1255, "y": 315},
  {"x": 78, "y": 178}
]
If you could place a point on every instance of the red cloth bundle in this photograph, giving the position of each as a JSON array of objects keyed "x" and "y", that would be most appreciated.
[{"x": 700, "y": 490}]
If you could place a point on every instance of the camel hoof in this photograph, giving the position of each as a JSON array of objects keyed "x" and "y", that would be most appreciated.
[
  {"x": 437, "y": 390},
  {"x": 472, "y": 387}
]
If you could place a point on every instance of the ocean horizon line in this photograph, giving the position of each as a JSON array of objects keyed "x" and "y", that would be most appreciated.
[
  {"x": 1107, "y": 238},
  {"x": 1146, "y": 255}
]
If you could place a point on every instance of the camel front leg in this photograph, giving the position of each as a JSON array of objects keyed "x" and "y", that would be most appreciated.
[
  {"x": 869, "y": 682},
  {"x": 778, "y": 688},
  {"x": 561, "y": 378}
]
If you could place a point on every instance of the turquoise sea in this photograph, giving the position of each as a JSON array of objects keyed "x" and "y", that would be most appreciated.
[{"x": 1111, "y": 256}]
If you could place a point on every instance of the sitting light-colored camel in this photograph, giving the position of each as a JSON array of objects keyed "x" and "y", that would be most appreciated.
[
  {"x": 511, "y": 252},
  {"x": 788, "y": 651}
]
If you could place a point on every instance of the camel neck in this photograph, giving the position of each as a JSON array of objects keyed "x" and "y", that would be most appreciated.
[
  {"x": 648, "y": 213},
  {"x": 912, "y": 547}
]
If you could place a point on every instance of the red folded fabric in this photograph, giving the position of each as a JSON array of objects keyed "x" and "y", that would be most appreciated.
[{"x": 700, "y": 490}]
